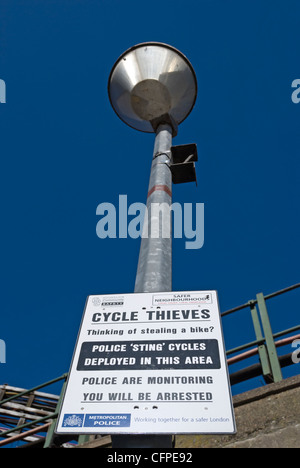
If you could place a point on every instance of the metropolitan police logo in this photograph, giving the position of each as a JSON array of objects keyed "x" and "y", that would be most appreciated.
[
  {"x": 73, "y": 420},
  {"x": 96, "y": 301}
]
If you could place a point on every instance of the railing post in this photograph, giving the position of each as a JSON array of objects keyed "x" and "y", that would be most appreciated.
[
  {"x": 84, "y": 438},
  {"x": 50, "y": 433},
  {"x": 262, "y": 351},
  {"x": 270, "y": 343}
]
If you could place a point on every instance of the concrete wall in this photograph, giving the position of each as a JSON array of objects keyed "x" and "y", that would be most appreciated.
[{"x": 268, "y": 417}]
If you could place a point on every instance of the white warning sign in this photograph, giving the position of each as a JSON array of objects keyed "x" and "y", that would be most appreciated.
[{"x": 149, "y": 363}]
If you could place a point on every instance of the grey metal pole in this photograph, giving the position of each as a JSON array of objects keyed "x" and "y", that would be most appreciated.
[{"x": 154, "y": 272}]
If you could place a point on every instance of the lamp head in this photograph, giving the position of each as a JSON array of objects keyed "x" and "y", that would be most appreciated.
[{"x": 149, "y": 81}]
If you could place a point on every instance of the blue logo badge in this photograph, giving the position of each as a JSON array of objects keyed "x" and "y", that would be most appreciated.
[
  {"x": 107, "y": 420},
  {"x": 73, "y": 420}
]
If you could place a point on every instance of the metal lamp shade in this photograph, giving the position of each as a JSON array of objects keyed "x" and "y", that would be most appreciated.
[{"x": 151, "y": 80}]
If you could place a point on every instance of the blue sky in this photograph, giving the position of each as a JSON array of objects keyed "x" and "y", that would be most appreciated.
[{"x": 64, "y": 151}]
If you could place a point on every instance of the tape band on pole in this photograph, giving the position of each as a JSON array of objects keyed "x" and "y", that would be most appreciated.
[{"x": 164, "y": 188}]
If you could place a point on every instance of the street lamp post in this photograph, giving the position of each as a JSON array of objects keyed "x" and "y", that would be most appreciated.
[
  {"x": 152, "y": 88},
  {"x": 154, "y": 273}
]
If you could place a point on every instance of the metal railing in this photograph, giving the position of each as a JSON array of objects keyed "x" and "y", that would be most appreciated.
[
  {"x": 270, "y": 363},
  {"x": 22, "y": 410},
  {"x": 265, "y": 346}
]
